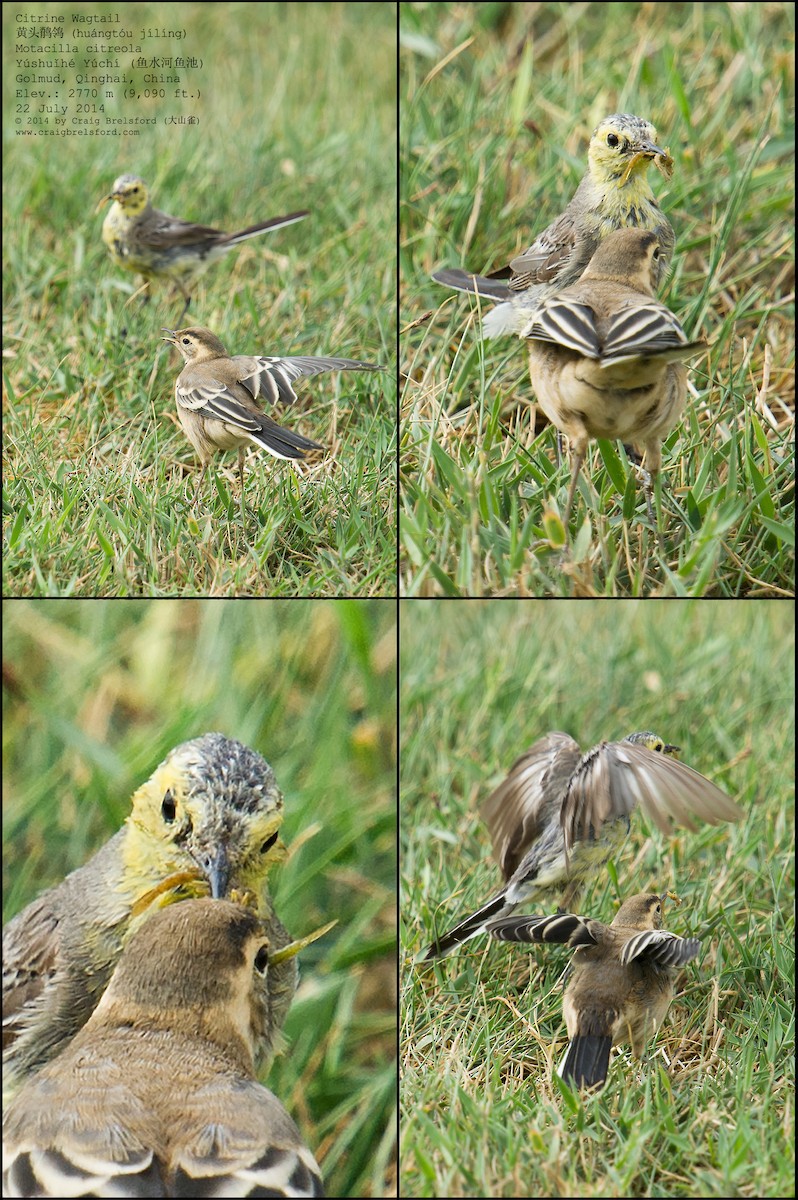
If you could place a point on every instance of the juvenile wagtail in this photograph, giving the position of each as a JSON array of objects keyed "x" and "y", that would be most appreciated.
[
  {"x": 212, "y": 812},
  {"x": 622, "y": 978},
  {"x": 605, "y": 357},
  {"x": 218, "y": 397},
  {"x": 157, "y": 1094}
]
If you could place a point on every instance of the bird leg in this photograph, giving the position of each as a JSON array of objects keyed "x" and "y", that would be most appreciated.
[
  {"x": 199, "y": 484},
  {"x": 579, "y": 457},
  {"x": 241, "y": 481}
]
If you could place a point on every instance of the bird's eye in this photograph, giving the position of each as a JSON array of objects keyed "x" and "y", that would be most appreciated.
[
  {"x": 168, "y": 807},
  {"x": 262, "y": 960},
  {"x": 655, "y": 256},
  {"x": 267, "y": 845},
  {"x": 613, "y": 140},
  {"x": 658, "y": 908}
]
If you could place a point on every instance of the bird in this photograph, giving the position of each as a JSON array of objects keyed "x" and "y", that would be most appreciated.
[
  {"x": 622, "y": 978},
  {"x": 614, "y": 193},
  {"x": 560, "y": 814},
  {"x": 218, "y": 397},
  {"x": 605, "y": 357},
  {"x": 145, "y": 240},
  {"x": 209, "y": 814},
  {"x": 157, "y": 1094}
]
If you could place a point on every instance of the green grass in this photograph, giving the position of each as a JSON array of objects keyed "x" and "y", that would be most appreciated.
[
  {"x": 95, "y": 695},
  {"x": 480, "y": 1031},
  {"x": 297, "y": 110},
  {"x": 498, "y": 103}
]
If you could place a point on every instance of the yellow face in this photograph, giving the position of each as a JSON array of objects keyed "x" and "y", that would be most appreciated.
[
  {"x": 130, "y": 193},
  {"x": 211, "y": 810},
  {"x": 622, "y": 148}
]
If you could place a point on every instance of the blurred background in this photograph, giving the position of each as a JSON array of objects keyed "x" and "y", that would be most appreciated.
[{"x": 96, "y": 693}]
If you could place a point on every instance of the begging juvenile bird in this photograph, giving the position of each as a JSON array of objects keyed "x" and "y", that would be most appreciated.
[
  {"x": 561, "y": 814},
  {"x": 614, "y": 193},
  {"x": 622, "y": 978},
  {"x": 140, "y": 238},
  {"x": 218, "y": 398},
  {"x": 157, "y": 1094},
  {"x": 605, "y": 356},
  {"x": 211, "y": 812}
]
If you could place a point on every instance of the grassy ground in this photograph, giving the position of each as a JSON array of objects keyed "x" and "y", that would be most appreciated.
[
  {"x": 480, "y": 1113},
  {"x": 297, "y": 109},
  {"x": 96, "y": 693},
  {"x": 497, "y": 104}
]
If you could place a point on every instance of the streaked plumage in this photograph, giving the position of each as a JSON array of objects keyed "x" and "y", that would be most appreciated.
[{"x": 561, "y": 814}]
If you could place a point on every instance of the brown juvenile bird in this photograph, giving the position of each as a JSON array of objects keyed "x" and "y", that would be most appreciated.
[
  {"x": 157, "y": 1094},
  {"x": 210, "y": 813},
  {"x": 218, "y": 397},
  {"x": 614, "y": 193},
  {"x": 621, "y": 982},
  {"x": 605, "y": 356},
  {"x": 141, "y": 238},
  {"x": 561, "y": 814}
]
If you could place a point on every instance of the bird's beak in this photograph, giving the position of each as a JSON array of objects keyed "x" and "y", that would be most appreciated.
[
  {"x": 171, "y": 332},
  {"x": 650, "y": 149},
  {"x": 216, "y": 868},
  {"x": 662, "y": 159},
  {"x": 104, "y": 200},
  {"x": 671, "y": 749}
]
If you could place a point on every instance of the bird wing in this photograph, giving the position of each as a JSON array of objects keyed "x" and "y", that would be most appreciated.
[
  {"x": 272, "y": 379},
  {"x": 215, "y": 400},
  {"x": 470, "y": 926},
  {"x": 644, "y": 328},
  {"x": 551, "y": 250},
  {"x": 238, "y": 1134},
  {"x": 69, "y": 1171},
  {"x": 528, "y": 799},
  {"x": 567, "y": 323},
  {"x": 162, "y": 232},
  {"x": 71, "y": 1131},
  {"x": 614, "y": 777},
  {"x": 565, "y": 928},
  {"x": 31, "y": 942},
  {"x": 659, "y": 946}
]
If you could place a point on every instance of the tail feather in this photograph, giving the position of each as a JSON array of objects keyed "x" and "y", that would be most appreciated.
[
  {"x": 587, "y": 1060},
  {"x": 470, "y": 926},
  {"x": 241, "y": 235},
  {"x": 281, "y": 442},
  {"x": 479, "y": 285}
]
